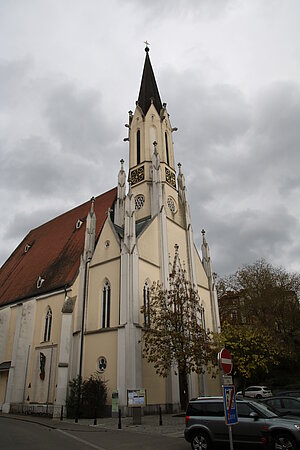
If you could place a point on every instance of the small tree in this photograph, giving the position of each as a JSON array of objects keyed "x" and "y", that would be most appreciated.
[
  {"x": 74, "y": 397},
  {"x": 266, "y": 300},
  {"x": 91, "y": 395},
  {"x": 94, "y": 395},
  {"x": 174, "y": 335},
  {"x": 253, "y": 350}
]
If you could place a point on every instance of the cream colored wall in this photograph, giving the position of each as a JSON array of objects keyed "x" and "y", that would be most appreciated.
[
  {"x": 98, "y": 276},
  {"x": 97, "y": 345},
  {"x": 144, "y": 189},
  {"x": 105, "y": 265},
  {"x": 178, "y": 217},
  {"x": 155, "y": 385},
  {"x": 177, "y": 235},
  {"x": 149, "y": 273},
  {"x": 103, "y": 253},
  {"x": 148, "y": 243},
  {"x": 213, "y": 385},
  {"x": 55, "y": 302},
  {"x": 74, "y": 293},
  {"x": 3, "y": 382},
  {"x": 11, "y": 333}
]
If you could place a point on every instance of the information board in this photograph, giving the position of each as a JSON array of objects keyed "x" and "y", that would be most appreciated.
[
  {"x": 136, "y": 397},
  {"x": 115, "y": 402}
]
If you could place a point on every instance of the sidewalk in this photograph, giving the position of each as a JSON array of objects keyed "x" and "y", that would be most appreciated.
[{"x": 172, "y": 426}]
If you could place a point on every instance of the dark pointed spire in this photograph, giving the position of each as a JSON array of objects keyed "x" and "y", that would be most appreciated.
[{"x": 149, "y": 90}]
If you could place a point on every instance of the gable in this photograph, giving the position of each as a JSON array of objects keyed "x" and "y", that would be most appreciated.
[{"x": 108, "y": 245}]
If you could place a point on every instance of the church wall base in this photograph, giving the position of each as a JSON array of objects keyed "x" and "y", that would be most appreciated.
[{"x": 31, "y": 409}]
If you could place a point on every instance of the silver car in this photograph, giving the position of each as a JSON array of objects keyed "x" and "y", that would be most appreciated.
[
  {"x": 257, "y": 392},
  {"x": 258, "y": 426}
]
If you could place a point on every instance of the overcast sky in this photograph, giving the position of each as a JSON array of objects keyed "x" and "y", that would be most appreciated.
[{"x": 229, "y": 71}]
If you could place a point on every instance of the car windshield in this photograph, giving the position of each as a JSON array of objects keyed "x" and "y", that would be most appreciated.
[{"x": 267, "y": 410}]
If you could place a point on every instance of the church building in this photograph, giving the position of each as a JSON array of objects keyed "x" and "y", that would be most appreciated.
[{"x": 71, "y": 293}]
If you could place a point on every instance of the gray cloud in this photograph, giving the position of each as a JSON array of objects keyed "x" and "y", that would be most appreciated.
[
  {"x": 64, "y": 98},
  {"x": 204, "y": 8},
  {"x": 77, "y": 120}
]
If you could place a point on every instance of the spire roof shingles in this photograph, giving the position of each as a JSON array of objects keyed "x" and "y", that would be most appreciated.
[{"x": 148, "y": 89}]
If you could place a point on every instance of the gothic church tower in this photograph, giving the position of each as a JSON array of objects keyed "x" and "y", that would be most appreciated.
[{"x": 155, "y": 217}]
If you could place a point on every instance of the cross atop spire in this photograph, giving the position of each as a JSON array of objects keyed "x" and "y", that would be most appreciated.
[{"x": 149, "y": 91}]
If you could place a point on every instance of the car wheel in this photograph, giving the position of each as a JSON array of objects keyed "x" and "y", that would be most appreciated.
[
  {"x": 284, "y": 442},
  {"x": 200, "y": 441},
  {"x": 259, "y": 396}
]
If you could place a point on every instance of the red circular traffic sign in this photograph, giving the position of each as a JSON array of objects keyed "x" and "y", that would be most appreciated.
[{"x": 225, "y": 360}]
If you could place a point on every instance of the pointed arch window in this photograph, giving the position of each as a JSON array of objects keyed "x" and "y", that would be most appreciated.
[
  {"x": 138, "y": 146},
  {"x": 106, "y": 305},
  {"x": 146, "y": 304},
  {"x": 167, "y": 148},
  {"x": 48, "y": 324}
]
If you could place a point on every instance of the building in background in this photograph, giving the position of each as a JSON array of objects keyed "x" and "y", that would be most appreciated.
[{"x": 72, "y": 291}]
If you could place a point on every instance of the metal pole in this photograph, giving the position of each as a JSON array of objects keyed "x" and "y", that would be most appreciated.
[
  {"x": 230, "y": 437},
  {"x": 49, "y": 381},
  {"x": 95, "y": 416},
  {"x": 160, "y": 416},
  {"x": 119, "y": 423}
]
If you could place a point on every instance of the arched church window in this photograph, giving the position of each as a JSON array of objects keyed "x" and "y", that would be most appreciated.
[
  {"x": 138, "y": 146},
  {"x": 47, "y": 326},
  {"x": 167, "y": 148},
  {"x": 106, "y": 305},
  {"x": 146, "y": 304}
]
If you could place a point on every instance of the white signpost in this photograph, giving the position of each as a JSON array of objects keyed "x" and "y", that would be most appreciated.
[{"x": 230, "y": 406}]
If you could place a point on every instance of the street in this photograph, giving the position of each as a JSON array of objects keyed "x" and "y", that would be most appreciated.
[{"x": 17, "y": 434}]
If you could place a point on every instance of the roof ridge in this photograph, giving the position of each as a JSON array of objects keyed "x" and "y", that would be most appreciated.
[{"x": 69, "y": 210}]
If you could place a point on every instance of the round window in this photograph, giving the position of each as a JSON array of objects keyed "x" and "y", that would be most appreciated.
[
  {"x": 102, "y": 364},
  {"x": 172, "y": 204}
]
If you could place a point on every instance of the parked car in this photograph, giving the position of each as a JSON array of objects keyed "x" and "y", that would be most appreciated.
[
  {"x": 284, "y": 405},
  {"x": 256, "y": 392},
  {"x": 289, "y": 393},
  {"x": 258, "y": 426}
]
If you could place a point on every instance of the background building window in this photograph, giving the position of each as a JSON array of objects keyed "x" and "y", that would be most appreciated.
[
  {"x": 138, "y": 147},
  {"x": 106, "y": 306},
  {"x": 146, "y": 303},
  {"x": 47, "y": 327}
]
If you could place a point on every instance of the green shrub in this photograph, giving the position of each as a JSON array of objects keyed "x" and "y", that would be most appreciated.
[{"x": 91, "y": 395}]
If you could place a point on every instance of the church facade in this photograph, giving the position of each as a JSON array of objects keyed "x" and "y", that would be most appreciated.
[{"x": 71, "y": 293}]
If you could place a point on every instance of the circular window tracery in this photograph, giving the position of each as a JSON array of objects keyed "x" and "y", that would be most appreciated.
[
  {"x": 139, "y": 201},
  {"x": 102, "y": 364},
  {"x": 171, "y": 204}
]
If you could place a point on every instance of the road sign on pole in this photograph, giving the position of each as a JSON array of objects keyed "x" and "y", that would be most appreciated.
[
  {"x": 230, "y": 408},
  {"x": 225, "y": 361}
]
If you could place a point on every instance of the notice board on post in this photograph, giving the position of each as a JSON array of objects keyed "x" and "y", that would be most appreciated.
[{"x": 136, "y": 397}]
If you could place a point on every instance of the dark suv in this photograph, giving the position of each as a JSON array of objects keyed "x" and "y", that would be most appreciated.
[{"x": 258, "y": 426}]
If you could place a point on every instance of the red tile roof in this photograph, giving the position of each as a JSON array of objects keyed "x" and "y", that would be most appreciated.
[{"x": 55, "y": 251}]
